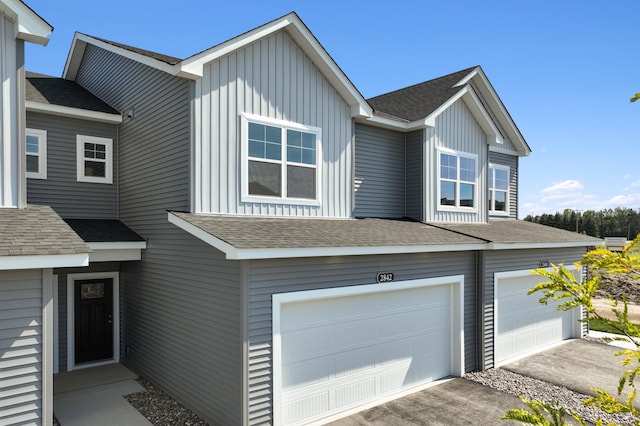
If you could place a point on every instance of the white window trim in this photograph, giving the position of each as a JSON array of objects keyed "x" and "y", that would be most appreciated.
[
  {"x": 71, "y": 342},
  {"x": 244, "y": 168},
  {"x": 42, "y": 153},
  {"x": 490, "y": 190},
  {"x": 457, "y": 207},
  {"x": 80, "y": 141}
]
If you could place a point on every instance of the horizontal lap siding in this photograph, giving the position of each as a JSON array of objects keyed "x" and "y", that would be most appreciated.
[
  {"x": 62, "y": 302},
  {"x": 380, "y": 172},
  {"x": 455, "y": 129},
  {"x": 279, "y": 276},
  {"x": 513, "y": 260},
  {"x": 21, "y": 349},
  {"x": 271, "y": 78},
  {"x": 415, "y": 175},
  {"x": 181, "y": 303},
  {"x": 61, "y": 190},
  {"x": 512, "y": 162}
]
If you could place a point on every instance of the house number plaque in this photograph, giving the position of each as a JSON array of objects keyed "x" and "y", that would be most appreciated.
[{"x": 384, "y": 277}]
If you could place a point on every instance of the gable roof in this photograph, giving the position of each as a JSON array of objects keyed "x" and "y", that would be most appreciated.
[
  {"x": 31, "y": 27},
  {"x": 55, "y": 95},
  {"x": 36, "y": 237},
  {"x": 419, "y": 105},
  {"x": 193, "y": 66}
]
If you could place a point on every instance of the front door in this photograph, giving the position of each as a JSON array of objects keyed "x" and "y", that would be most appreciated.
[{"x": 93, "y": 300}]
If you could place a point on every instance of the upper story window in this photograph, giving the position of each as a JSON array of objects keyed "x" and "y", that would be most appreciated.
[
  {"x": 498, "y": 189},
  {"x": 36, "y": 149},
  {"x": 281, "y": 160},
  {"x": 457, "y": 180},
  {"x": 94, "y": 159}
]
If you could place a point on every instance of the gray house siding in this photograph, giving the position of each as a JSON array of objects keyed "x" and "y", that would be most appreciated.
[
  {"x": 512, "y": 260},
  {"x": 21, "y": 346},
  {"x": 455, "y": 129},
  {"x": 380, "y": 172},
  {"x": 266, "y": 277},
  {"x": 507, "y": 146},
  {"x": 512, "y": 162},
  {"x": 271, "y": 78},
  {"x": 62, "y": 303},
  {"x": 181, "y": 303},
  {"x": 61, "y": 190},
  {"x": 415, "y": 175}
]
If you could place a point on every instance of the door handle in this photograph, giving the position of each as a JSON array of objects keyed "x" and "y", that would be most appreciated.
[{"x": 110, "y": 319}]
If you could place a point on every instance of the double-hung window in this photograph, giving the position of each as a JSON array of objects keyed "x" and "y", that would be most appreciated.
[
  {"x": 498, "y": 189},
  {"x": 280, "y": 161},
  {"x": 457, "y": 180},
  {"x": 36, "y": 149},
  {"x": 94, "y": 159}
]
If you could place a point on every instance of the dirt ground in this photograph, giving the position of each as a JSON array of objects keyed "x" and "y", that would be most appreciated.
[
  {"x": 603, "y": 308},
  {"x": 616, "y": 286}
]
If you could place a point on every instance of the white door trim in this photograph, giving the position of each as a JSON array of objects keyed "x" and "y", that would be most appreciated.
[
  {"x": 456, "y": 283},
  {"x": 71, "y": 279},
  {"x": 56, "y": 329},
  {"x": 576, "y": 328}
]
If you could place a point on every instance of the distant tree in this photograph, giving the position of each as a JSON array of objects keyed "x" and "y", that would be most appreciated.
[
  {"x": 635, "y": 97},
  {"x": 618, "y": 222}
]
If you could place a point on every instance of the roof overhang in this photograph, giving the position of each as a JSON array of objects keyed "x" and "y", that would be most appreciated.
[
  {"x": 30, "y": 26},
  {"x": 234, "y": 253},
  {"x": 116, "y": 251},
  {"x": 43, "y": 261},
  {"x": 64, "y": 111},
  {"x": 532, "y": 246}
]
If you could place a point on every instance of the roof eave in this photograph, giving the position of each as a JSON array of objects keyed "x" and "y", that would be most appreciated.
[
  {"x": 64, "y": 111},
  {"x": 31, "y": 27},
  {"x": 387, "y": 123},
  {"x": 549, "y": 245},
  {"x": 43, "y": 261}
]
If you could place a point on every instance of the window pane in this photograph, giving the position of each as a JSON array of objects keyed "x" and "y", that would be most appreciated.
[
  {"x": 308, "y": 156},
  {"x": 466, "y": 195},
  {"x": 501, "y": 201},
  {"x": 490, "y": 177},
  {"x": 502, "y": 181},
  {"x": 448, "y": 166},
  {"x": 256, "y": 149},
  {"x": 294, "y": 154},
  {"x": 294, "y": 138},
  {"x": 32, "y": 144},
  {"x": 447, "y": 193},
  {"x": 309, "y": 140},
  {"x": 273, "y": 134},
  {"x": 32, "y": 164},
  {"x": 94, "y": 168},
  {"x": 256, "y": 131},
  {"x": 273, "y": 151},
  {"x": 467, "y": 169},
  {"x": 264, "y": 141},
  {"x": 301, "y": 182},
  {"x": 265, "y": 179}
]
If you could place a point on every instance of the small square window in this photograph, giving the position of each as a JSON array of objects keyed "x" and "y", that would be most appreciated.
[
  {"x": 36, "y": 153},
  {"x": 95, "y": 159}
]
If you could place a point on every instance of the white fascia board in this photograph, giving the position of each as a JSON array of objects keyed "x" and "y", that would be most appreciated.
[
  {"x": 114, "y": 255},
  {"x": 522, "y": 246},
  {"x": 117, "y": 245},
  {"x": 387, "y": 123},
  {"x": 503, "y": 150},
  {"x": 43, "y": 261},
  {"x": 143, "y": 59},
  {"x": 31, "y": 27},
  {"x": 483, "y": 118},
  {"x": 224, "y": 247},
  {"x": 103, "y": 117}
]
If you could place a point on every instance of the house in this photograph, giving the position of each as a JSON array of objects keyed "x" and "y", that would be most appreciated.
[{"x": 265, "y": 244}]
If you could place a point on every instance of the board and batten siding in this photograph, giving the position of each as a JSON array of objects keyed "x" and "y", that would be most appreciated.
[
  {"x": 271, "y": 78},
  {"x": 513, "y": 260},
  {"x": 379, "y": 172},
  {"x": 512, "y": 162},
  {"x": 11, "y": 51},
  {"x": 267, "y": 277},
  {"x": 26, "y": 379},
  {"x": 415, "y": 175},
  {"x": 455, "y": 129},
  {"x": 507, "y": 145},
  {"x": 181, "y": 303},
  {"x": 61, "y": 189}
]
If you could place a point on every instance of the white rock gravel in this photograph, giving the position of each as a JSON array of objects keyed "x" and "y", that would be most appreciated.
[{"x": 534, "y": 389}]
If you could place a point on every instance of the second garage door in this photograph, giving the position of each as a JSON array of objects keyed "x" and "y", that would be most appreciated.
[
  {"x": 339, "y": 349},
  {"x": 522, "y": 324}
]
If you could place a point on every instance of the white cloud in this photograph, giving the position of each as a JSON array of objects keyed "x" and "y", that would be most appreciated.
[
  {"x": 567, "y": 185},
  {"x": 635, "y": 184}
]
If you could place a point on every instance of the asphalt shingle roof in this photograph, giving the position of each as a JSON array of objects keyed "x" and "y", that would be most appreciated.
[
  {"x": 103, "y": 230},
  {"x": 420, "y": 100},
  {"x": 171, "y": 60},
  {"x": 518, "y": 232},
  {"x": 246, "y": 232},
  {"x": 37, "y": 231},
  {"x": 50, "y": 90}
]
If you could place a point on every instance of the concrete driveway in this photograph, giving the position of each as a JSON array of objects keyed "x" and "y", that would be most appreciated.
[{"x": 577, "y": 365}]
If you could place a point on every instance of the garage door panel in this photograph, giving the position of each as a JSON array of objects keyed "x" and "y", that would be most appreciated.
[
  {"x": 522, "y": 324},
  {"x": 376, "y": 344}
]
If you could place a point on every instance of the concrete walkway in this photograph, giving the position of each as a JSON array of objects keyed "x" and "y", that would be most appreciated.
[{"x": 94, "y": 396}]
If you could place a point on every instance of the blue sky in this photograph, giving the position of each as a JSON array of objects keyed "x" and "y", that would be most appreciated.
[{"x": 565, "y": 70}]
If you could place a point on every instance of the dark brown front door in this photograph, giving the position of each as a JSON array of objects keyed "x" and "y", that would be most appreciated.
[{"x": 93, "y": 320}]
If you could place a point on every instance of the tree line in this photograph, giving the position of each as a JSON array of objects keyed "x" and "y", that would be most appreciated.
[{"x": 618, "y": 222}]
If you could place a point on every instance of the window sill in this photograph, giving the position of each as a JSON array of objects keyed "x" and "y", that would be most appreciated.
[
  {"x": 457, "y": 209},
  {"x": 276, "y": 200}
]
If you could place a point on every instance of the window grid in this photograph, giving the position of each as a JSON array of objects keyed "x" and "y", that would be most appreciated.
[
  {"x": 36, "y": 153},
  {"x": 498, "y": 189},
  {"x": 457, "y": 180}
]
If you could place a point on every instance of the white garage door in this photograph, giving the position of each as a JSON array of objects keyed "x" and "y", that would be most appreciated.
[
  {"x": 344, "y": 348},
  {"x": 523, "y": 325}
]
